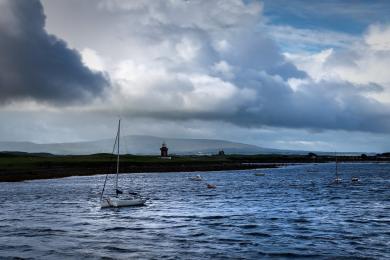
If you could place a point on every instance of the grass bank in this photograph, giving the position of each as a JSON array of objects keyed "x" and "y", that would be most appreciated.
[{"x": 16, "y": 166}]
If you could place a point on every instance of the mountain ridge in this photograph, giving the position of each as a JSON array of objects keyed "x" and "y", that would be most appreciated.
[{"x": 142, "y": 145}]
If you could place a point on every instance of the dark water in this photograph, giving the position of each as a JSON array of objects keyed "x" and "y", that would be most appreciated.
[{"x": 280, "y": 215}]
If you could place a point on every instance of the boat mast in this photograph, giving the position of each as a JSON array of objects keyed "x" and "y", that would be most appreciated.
[
  {"x": 117, "y": 156},
  {"x": 337, "y": 168},
  {"x": 105, "y": 180}
]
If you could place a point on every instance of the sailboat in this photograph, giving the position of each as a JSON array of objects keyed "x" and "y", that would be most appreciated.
[
  {"x": 337, "y": 178},
  {"x": 119, "y": 199}
]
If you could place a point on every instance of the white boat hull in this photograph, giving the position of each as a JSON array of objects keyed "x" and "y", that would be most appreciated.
[
  {"x": 113, "y": 202},
  {"x": 196, "y": 178},
  {"x": 337, "y": 180}
]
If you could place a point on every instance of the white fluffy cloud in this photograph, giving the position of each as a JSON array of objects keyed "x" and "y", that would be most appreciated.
[
  {"x": 378, "y": 37},
  {"x": 364, "y": 62}
]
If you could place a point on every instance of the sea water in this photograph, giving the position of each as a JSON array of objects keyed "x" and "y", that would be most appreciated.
[{"x": 291, "y": 212}]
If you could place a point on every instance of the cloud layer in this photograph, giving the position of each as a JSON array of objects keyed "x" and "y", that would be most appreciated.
[
  {"x": 226, "y": 67},
  {"x": 36, "y": 65},
  {"x": 177, "y": 62}
]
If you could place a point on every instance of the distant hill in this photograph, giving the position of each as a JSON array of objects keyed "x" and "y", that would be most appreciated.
[{"x": 140, "y": 144}]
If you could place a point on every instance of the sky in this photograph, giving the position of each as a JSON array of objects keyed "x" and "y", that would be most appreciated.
[{"x": 287, "y": 74}]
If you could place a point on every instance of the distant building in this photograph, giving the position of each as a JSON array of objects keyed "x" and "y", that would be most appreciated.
[
  {"x": 312, "y": 156},
  {"x": 221, "y": 153},
  {"x": 164, "y": 150}
]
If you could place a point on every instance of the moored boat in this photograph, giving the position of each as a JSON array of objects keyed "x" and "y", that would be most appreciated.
[
  {"x": 355, "y": 179},
  {"x": 259, "y": 174},
  {"x": 211, "y": 186},
  {"x": 337, "y": 179},
  {"x": 119, "y": 199},
  {"x": 196, "y": 178}
]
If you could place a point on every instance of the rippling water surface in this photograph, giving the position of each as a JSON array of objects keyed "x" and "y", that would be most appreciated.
[{"x": 289, "y": 212}]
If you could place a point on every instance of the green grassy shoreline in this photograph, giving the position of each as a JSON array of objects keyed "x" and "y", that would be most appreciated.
[{"x": 15, "y": 166}]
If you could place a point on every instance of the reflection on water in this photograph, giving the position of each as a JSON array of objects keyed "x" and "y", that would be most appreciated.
[{"x": 289, "y": 212}]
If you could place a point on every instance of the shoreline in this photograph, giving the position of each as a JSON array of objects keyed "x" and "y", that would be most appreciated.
[
  {"x": 59, "y": 172},
  {"x": 15, "y": 167}
]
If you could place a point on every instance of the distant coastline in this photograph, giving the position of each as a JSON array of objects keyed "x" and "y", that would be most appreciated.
[{"x": 18, "y": 166}]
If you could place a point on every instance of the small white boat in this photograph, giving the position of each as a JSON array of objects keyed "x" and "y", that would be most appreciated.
[
  {"x": 196, "y": 178},
  {"x": 119, "y": 199}
]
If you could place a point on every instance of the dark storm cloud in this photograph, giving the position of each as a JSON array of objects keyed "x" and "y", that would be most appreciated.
[
  {"x": 36, "y": 65},
  {"x": 315, "y": 105}
]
